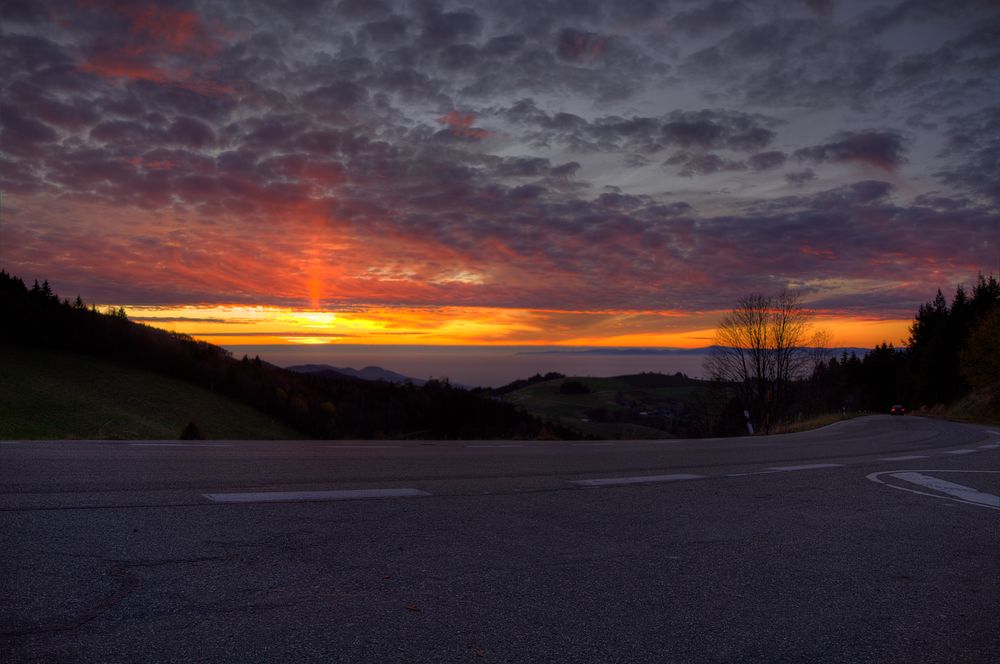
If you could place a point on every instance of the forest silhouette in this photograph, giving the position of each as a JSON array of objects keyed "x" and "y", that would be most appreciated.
[{"x": 319, "y": 406}]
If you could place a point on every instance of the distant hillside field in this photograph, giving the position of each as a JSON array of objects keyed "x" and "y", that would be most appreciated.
[
  {"x": 56, "y": 394},
  {"x": 639, "y": 406}
]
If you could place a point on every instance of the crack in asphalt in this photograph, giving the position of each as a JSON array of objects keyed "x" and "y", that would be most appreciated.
[{"x": 128, "y": 582}]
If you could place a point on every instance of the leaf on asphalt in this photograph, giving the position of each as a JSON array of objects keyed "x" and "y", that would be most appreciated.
[{"x": 412, "y": 607}]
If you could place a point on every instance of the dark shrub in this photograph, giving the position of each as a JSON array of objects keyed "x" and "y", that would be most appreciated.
[
  {"x": 573, "y": 387},
  {"x": 191, "y": 432}
]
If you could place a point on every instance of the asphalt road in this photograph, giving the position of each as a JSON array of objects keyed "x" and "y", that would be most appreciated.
[{"x": 876, "y": 539}]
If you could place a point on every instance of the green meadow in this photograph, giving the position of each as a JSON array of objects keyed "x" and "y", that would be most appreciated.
[
  {"x": 622, "y": 407},
  {"x": 48, "y": 394}
]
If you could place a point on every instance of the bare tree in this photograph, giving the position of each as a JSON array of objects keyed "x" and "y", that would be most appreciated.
[{"x": 760, "y": 348}]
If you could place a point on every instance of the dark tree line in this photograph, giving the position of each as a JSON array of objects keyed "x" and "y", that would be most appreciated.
[
  {"x": 950, "y": 351},
  {"x": 519, "y": 384},
  {"x": 320, "y": 406}
]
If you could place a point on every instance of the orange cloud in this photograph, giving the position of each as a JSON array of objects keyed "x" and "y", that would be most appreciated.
[
  {"x": 812, "y": 251},
  {"x": 161, "y": 45},
  {"x": 173, "y": 30},
  {"x": 461, "y": 125},
  {"x": 161, "y": 165}
]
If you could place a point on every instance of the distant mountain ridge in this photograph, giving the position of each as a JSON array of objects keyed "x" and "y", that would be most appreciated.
[
  {"x": 637, "y": 350},
  {"x": 367, "y": 373}
]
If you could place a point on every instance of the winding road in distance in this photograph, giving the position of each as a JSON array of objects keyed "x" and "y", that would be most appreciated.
[{"x": 874, "y": 539}]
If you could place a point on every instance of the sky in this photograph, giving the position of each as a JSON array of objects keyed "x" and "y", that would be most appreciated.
[{"x": 522, "y": 172}]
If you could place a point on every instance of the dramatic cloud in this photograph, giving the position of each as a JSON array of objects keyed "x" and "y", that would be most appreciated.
[
  {"x": 763, "y": 161},
  {"x": 799, "y": 178},
  {"x": 882, "y": 149},
  {"x": 523, "y": 156},
  {"x": 974, "y": 139}
]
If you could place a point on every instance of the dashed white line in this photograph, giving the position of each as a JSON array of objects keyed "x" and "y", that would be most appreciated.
[
  {"x": 476, "y": 447},
  {"x": 904, "y": 458},
  {"x": 178, "y": 444},
  {"x": 298, "y": 496},
  {"x": 991, "y": 446},
  {"x": 591, "y": 444},
  {"x": 646, "y": 479},
  {"x": 362, "y": 447},
  {"x": 810, "y": 466},
  {"x": 960, "y": 451}
]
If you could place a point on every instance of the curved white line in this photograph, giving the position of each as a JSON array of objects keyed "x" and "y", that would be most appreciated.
[{"x": 874, "y": 477}]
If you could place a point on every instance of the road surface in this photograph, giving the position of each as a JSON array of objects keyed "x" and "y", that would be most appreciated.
[{"x": 876, "y": 539}]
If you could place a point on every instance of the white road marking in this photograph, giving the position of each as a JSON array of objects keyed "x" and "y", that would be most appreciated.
[
  {"x": 361, "y": 447},
  {"x": 759, "y": 472},
  {"x": 591, "y": 444},
  {"x": 179, "y": 444},
  {"x": 809, "y": 466},
  {"x": 960, "y": 451},
  {"x": 297, "y": 496},
  {"x": 647, "y": 479},
  {"x": 903, "y": 458},
  {"x": 995, "y": 433},
  {"x": 988, "y": 447},
  {"x": 955, "y": 492},
  {"x": 485, "y": 446}
]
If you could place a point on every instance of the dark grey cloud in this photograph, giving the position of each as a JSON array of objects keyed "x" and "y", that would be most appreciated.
[
  {"x": 717, "y": 15},
  {"x": 362, "y": 9},
  {"x": 973, "y": 150},
  {"x": 523, "y": 167},
  {"x": 573, "y": 44},
  {"x": 937, "y": 201},
  {"x": 763, "y": 161},
  {"x": 441, "y": 28},
  {"x": 701, "y": 163},
  {"x": 387, "y": 31},
  {"x": 23, "y": 135},
  {"x": 504, "y": 46},
  {"x": 799, "y": 178},
  {"x": 882, "y": 148},
  {"x": 882, "y": 18},
  {"x": 715, "y": 129},
  {"x": 708, "y": 129},
  {"x": 191, "y": 133},
  {"x": 565, "y": 170},
  {"x": 855, "y": 194},
  {"x": 126, "y": 133}
]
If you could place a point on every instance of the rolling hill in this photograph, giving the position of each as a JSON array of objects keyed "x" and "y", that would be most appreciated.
[
  {"x": 48, "y": 394},
  {"x": 368, "y": 373},
  {"x": 646, "y": 405},
  {"x": 321, "y": 406}
]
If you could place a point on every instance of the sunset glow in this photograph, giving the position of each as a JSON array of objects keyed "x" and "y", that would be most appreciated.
[
  {"x": 609, "y": 174},
  {"x": 437, "y": 326}
]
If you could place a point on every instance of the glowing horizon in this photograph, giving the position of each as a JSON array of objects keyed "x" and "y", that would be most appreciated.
[{"x": 475, "y": 326}]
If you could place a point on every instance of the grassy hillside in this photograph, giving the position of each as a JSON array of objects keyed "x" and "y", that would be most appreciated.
[
  {"x": 980, "y": 406},
  {"x": 324, "y": 407},
  {"x": 56, "y": 394},
  {"x": 622, "y": 407}
]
